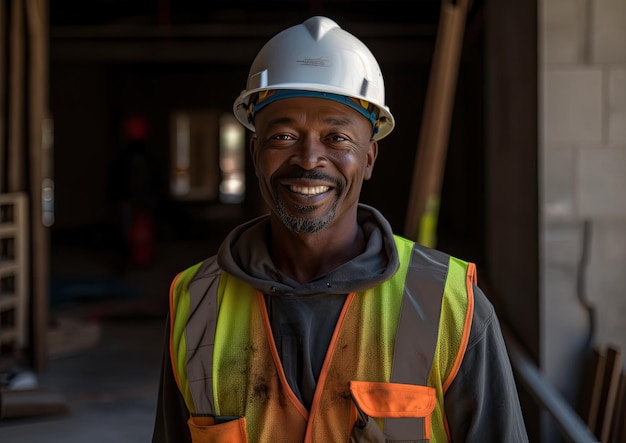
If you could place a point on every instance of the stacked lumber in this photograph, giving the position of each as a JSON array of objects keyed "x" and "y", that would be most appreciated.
[{"x": 602, "y": 403}]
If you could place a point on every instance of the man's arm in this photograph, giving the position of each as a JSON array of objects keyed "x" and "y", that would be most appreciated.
[{"x": 482, "y": 404}]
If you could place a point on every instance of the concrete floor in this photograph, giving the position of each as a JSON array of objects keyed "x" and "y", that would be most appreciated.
[{"x": 109, "y": 387}]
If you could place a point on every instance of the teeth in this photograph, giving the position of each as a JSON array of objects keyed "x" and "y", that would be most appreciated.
[{"x": 309, "y": 190}]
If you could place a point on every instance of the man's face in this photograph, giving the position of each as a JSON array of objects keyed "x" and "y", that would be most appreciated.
[{"x": 311, "y": 156}]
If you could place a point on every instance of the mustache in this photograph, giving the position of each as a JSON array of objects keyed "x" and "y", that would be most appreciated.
[{"x": 310, "y": 175}]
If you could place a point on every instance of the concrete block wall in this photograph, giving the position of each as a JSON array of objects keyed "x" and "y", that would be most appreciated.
[{"x": 582, "y": 158}]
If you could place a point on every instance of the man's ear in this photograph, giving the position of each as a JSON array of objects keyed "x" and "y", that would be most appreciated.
[
  {"x": 253, "y": 146},
  {"x": 372, "y": 153}
]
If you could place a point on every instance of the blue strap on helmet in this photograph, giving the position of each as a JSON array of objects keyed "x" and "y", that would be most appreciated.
[{"x": 274, "y": 95}]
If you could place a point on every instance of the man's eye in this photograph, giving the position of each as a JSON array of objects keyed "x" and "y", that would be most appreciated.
[
  {"x": 337, "y": 138},
  {"x": 281, "y": 137}
]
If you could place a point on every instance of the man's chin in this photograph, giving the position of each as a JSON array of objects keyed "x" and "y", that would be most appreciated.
[
  {"x": 305, "y": 225},
  {"x": 303, "y": 219}
]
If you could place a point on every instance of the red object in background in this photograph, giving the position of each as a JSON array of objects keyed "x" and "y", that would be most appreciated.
[
  {"x": 135, "y": 127},
  {"x": 141, "y": 239}
]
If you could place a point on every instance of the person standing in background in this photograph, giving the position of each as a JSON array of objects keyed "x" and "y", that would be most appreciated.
[{"x": 134, "y": 195}]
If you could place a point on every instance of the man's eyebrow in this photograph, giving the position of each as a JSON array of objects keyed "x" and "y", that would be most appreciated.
[{"x": 338, "y": 121}]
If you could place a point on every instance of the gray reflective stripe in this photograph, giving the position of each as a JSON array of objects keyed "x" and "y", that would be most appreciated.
[
  {"x": 418, "y": 327},
  {"x": 200, "y": 336}
]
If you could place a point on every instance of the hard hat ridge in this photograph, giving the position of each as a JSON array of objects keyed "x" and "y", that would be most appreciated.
[
  {"x": 316, "y": 56},
  {"x": 318, "y": 26}
]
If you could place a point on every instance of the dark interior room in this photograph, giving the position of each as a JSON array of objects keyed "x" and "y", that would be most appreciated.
[{"x": 164, "y": 74}]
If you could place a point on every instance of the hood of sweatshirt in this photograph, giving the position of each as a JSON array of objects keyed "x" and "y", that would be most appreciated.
[{"x": 245, "y": 255}]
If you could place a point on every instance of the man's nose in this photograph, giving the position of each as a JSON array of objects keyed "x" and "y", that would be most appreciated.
[{"x": 310, "y": 153}]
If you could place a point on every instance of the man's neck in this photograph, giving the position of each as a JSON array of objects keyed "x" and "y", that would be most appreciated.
[{"x": 305, "y": 257}]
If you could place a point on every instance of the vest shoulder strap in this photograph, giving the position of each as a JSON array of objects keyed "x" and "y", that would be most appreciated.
[
  {"x": 433, "y": 326},
  {"x": 193, "y": 292},
  {"x": 457, "y": 311}
]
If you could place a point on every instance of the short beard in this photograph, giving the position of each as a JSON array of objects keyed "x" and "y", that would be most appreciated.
[{"x": 301, "y": 225}]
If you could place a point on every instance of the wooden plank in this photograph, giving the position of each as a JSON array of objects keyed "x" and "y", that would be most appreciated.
[
  {"x": 31, "y": 403},
  {"x": 3, "y": 90},
  {"x": 13, "y": 267},
  {"x": 610, "y": 383},
  {"x": 618, "y": 429},
  {"x": 22, "y": 285},
  {"x": 7, "y": 301},
  {"x": 39, "y": 163},
  {"x": 423, "y": 206},
  {"x": 591, "y": 389},
  {"x": 16, "y": 106}
]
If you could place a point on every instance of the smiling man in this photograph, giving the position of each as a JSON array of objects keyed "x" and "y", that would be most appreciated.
[
  {"x": 315, "y": 323},
  {"x": 311, "y": 156}
]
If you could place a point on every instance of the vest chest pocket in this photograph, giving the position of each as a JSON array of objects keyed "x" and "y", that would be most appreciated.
[
  {"x": 404, "y": 409},
  {"x": 211, "y": 430}
]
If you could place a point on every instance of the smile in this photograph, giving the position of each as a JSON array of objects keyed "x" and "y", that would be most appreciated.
[{"x": 309, "y": 190}]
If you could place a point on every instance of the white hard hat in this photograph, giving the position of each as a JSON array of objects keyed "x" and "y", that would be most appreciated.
[{"x": 317, "y": 58}]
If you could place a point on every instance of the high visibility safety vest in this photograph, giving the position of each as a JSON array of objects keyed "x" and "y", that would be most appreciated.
[{"x": 394, "y": 352}]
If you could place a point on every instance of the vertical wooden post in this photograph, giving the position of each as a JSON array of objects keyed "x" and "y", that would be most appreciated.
[
  {"x": 15, "y": 169},
  {"x": 3, "y": 92},
  {"x": 39, "y": 165},
  {"x": 423, "y": 207}
]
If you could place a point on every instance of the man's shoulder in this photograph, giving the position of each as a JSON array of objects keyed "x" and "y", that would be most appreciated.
[
  {"x": 208, "y": 268},
  {"x": 484, "y": 315},
  {"x": 424, "y": 250},
  {"x": 205, "y": 269}
]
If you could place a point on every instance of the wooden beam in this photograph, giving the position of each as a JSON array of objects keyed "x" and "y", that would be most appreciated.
[
  {"x": 39, "y": 169},
  {"x": 608, "y": 394},
  {"x": 423, "y": 206},
  {"x": 3, "y": 93},
  {"x": 16, "y": 179},
  {"x": 618, "y": 431},
  {"x": 25, "y": 403}
]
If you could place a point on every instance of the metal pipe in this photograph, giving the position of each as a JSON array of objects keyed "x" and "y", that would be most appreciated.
[{"x": 571, "y": 426}]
